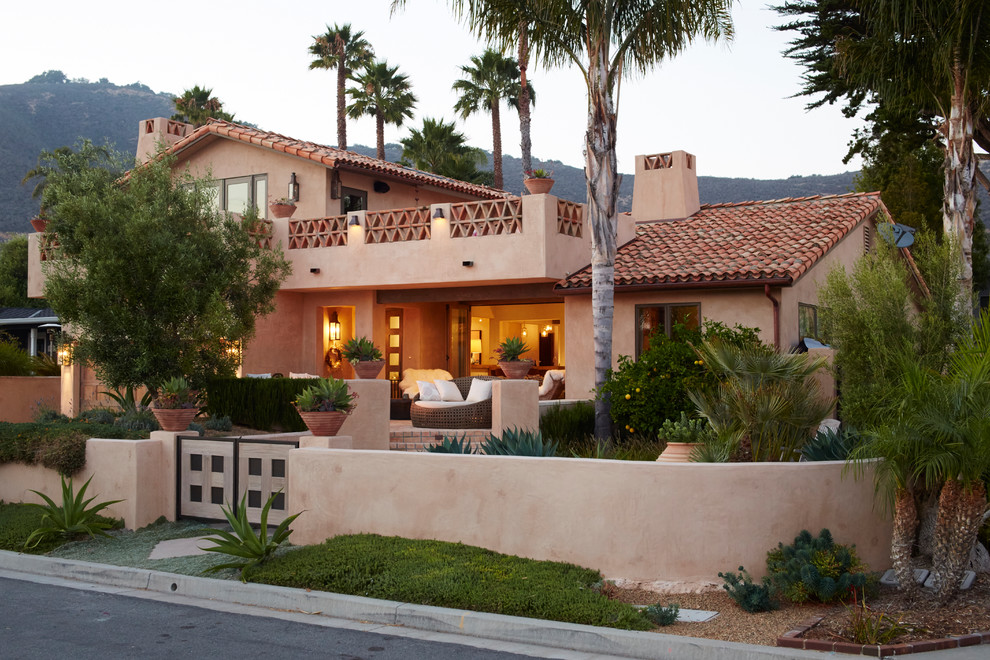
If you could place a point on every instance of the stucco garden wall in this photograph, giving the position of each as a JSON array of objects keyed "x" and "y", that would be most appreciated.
[
  {"x": 20, "y": 396},
  {"x": 642, "y": 521}
]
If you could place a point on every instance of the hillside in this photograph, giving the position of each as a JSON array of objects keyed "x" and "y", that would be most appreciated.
[{"x": 50, "y": 111}]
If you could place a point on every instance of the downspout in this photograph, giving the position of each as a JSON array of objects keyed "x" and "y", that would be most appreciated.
[{"x": 776, "y": 316}]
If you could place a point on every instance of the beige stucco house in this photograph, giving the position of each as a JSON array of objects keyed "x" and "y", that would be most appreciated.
[{"x": 438, "y": 271}]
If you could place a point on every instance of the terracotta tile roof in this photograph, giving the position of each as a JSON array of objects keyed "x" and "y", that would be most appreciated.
[
  {"x": 331, "y": 157},
  {"x": 748, "y": 242}
]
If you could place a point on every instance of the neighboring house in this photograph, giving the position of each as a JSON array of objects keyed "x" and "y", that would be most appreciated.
[
  {"x": 438, "y": 271},
  {"x": 35, "y": 330}
]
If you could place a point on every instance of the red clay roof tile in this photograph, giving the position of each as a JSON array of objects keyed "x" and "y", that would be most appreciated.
[
  {"x": 331, "y": 157},
  {"x": 736, "y": 242}
]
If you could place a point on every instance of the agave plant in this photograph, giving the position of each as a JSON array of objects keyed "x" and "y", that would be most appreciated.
[
  {"x": 453, "y": 445},
  {"x": 70, "y": 519},
  {"x": 510, "y": 349},
  {"x": 360, "y": 349},
  {"x": 326, "y": 395},
  {"x": 515, "y": 442},
  {"x": 127, "y": 400},
  {"x": 253, "y": 549}
]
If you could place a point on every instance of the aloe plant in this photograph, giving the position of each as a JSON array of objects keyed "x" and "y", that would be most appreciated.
[
  {"x": 70, "y": 519},
  {"x": 253, "y": 549}
]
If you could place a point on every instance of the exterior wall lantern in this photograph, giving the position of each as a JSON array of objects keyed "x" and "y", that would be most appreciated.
[
  {"x": 293, "y": 192},
  {"x": 334, "y": 328},
  {"x": 438, "y": 213}
]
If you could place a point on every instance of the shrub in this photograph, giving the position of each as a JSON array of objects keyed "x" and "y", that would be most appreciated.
[
  {"x": 221, "y": 423},
  {"x": 138, "y": 420},
  {"x": 70, "y": 519},
  {"x": 815, "y": 569},
  {"x": 831, "y": 445},
  {"x": 515, "y": 442},
  {"x": 46, "y": 415},
  {"x": 45, "y": 365},
  {"x": 197, "y": 427},
  {"x": 568, "y": 426},
  {"x": 654, "y": 387},
  {"x": 630, "y": 448},
  {"x": 452, "y": 445},
  {"x": 257, "y": 403},
  {"x": 751, "y": 597},
  {"x": 662, "y": 616},
  {"x": 97, "y": 416},
  {"x": 14, "y": 361},
  {"x": 127, "y": 400},
  {"x": 57, "y": 446}
]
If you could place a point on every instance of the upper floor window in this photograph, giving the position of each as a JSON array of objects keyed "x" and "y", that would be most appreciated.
[
  {"x": 238, "y": 194},
  {"x": 807, "y": 321},
  {"x": 352, "y": 199},
  {"x": 661, "y": 318}
]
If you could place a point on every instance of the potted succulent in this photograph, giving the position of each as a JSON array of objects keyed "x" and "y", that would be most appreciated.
[
  {"x": 39, "y": 222},
  {"x": 176, "y": 405},
  {"x": 508, "y": 353},
  {"x": 681, "y": 438},
  {"x": 283, "y": 207},
  {"x": 538, "y": 182},
  {"x": 364, "y": 357},
  {"x": 325, "y": 405}
]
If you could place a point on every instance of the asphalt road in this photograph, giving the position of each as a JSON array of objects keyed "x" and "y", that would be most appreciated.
[{"x": 47, "y": 621}]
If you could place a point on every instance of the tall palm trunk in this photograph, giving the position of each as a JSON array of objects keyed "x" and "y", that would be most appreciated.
[
  {"x": 603, "y": 187},
  {"x": 497, "y": 145},
  {"x": 341, "y": 95},
  {"x": 960, "y": 514},
  {"x": 960, "y": 171},
  {"x": 380, "y": 127},
  {"x": 905, "y": 526},
  {"x": 524, "y": 116}
]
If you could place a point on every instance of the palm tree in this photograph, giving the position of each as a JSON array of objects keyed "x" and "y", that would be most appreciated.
[
  {"x": 340, "y": 49},
  {"x": 605, "y": 39},
  {"x": 490, "y": 79},
  {"x": 383, "y": 93},
  {"x": 196, "y": 106},
  {"x": 440, "y": 148}
]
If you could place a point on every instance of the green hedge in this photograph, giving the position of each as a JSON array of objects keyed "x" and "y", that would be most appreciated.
[
  {"x": 60, "y": 446},
  {"x": 257, "y": 403}
]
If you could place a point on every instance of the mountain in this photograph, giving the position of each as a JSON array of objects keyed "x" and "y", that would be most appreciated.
[{"x": 50, "y": 111}]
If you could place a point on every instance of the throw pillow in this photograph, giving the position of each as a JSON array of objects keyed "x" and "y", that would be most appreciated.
[
  {"x": 448, "y": 390},
  {"x": 427, "y": 391},
  {"x": 480, "y": 390}
]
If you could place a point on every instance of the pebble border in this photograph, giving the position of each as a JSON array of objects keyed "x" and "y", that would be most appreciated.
[{"x": 793, "y": 639}]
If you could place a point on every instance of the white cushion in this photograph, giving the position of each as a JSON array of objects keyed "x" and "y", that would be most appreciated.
[
  {"x": 549, "y": 378},
  {"x": 410, "y": 376},
  {"x": 427, "y": 391},
  {"x": 438, "y": 404},
  {"x": 258, "y": 375},
  {"x": 293, "y": 374},
  {"x": 480, "y": 390},
  {"x": 448, "y": 390}
]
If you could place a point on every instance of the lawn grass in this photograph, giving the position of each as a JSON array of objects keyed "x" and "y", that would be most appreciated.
[
  {"x": 449, "y": 575},
  {"x": 17, "y": 521}
]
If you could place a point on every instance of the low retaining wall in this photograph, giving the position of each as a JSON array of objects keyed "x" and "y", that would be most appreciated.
[
  {"x": 641, "y": 521},
  {"x": 21, "y": 395}
]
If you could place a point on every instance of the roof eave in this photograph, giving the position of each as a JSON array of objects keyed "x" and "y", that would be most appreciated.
[{"x": 673, "y": 286}]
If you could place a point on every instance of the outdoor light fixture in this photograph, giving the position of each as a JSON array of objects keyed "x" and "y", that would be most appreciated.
[
  {"x": 334, "y": 327},
  {"x": 354, "y": 222},
  {"x": 64, "y": 355},
  {"x": 314, "y": 270},
  {"x": 293, "y": 188},
  {"x": 438, "y": 213},
  {"x": 467, "y": 264},
  {"x": 233, "y": 351}
]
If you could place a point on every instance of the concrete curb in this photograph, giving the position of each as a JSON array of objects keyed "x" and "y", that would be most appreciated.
[{"x": 590, "y": 639}]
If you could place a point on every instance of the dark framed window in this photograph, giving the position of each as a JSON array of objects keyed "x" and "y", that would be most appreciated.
[
  {"x": 651, "y": 319},
  {"x": 807, "y": 321},
  {"x": 238, "y": 194},
  {"x": 352, "y": 199}
]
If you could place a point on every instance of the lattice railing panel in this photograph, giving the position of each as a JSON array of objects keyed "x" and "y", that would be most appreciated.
[
  {"x": 397, "y": 225},
  {"x": 317, "y": 233},
  {"x": 262, "y": 231},
  {"x": 488, "y": 218},
  {"x": 47, "y": 245},
  {"x": 659, "y": 161},
  {"x": 570, "y": 218}
]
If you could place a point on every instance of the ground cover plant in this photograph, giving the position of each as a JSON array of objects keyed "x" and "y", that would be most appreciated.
[
  {"x": 449, "y": 575},
  {"x": 59, "y": 445},
  {"x": 17, "y": 522}
]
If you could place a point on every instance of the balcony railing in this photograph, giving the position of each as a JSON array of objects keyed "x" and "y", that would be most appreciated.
[
  {"x": 397, "y": 225},
  {"x": 570, "y": 218},
  {"x": 319, "y": 232},
  {"x": 262, "y": 231},
  {"x": 488, "y": 218}
]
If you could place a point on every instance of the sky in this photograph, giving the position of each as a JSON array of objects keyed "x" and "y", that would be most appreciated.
[{"x": 729, "y": 103}]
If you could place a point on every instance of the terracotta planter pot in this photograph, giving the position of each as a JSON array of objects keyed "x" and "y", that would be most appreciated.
[
  {"x": 282, "y": 210},
  {"x": 174, "y": 419},
  {"x": 678, "y": 452},
  {"x": 538, "y": 186},
  {"x": 368, "y": 368},
  {"x": 516, "y": 368},
  {"x": 323, "y": 423},
  {"x": 39, "y": 224}
]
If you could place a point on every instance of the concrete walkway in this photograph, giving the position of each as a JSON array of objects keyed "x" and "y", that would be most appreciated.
[{"x": 586, "y": 639}]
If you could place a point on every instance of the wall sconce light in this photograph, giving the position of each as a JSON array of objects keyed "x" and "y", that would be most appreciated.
[
  {"x": 354, "y": 222},
  {"x": 293, "y": 188},
  {"x": 315, "y": 271},
  {"x": 467, "y": 264},
  {"x": 334, "y": 327},
  {"x": 438, "y": 213},
  {"x": 233, "y": 351},
  {"x": 64, "y": 355}
]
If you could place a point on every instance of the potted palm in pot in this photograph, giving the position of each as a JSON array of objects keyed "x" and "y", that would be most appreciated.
[
  {"x": 176, "y": 405},
  {"x": 364, "y": 357},
  {"x": 508, "y": 353},
  {"x": 325, "y": 405}
]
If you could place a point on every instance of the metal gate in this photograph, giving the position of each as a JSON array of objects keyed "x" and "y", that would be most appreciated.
[{"x": 213, "y": 472}]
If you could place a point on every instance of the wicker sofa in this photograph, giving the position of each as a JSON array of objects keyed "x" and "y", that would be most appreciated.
[{"x": 467, "y": 415}]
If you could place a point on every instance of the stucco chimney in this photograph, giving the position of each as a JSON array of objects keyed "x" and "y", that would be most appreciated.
[
  {"x": 159, "y": 129},
  {"x": 666, "y": 187}
]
